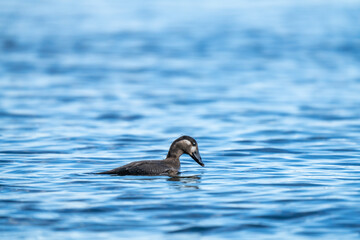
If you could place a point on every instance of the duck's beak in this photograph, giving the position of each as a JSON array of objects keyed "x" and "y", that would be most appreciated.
[{"x": 196, "y": 156}]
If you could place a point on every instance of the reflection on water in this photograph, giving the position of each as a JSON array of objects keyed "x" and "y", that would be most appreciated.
[
  {"x": 191, "y": 182},
  {"x": 269, "y": 89}
]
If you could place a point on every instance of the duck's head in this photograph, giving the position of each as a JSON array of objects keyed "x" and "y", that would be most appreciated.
[{"x": 186, "y": 145}]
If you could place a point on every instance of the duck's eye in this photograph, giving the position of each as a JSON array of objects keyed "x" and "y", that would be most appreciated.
[{"x": 194, "y": 143}]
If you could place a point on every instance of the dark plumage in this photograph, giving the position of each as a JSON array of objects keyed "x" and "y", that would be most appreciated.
[{"x": 169, "y": 166}]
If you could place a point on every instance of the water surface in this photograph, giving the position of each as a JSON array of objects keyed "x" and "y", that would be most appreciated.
[{"x": 269, "y": 90}]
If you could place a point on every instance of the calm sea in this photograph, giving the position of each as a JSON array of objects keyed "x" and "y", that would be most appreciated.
[{"x": 269, "y": 89}]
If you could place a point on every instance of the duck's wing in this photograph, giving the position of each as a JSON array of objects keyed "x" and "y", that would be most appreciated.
[{"x": 153, "y": 167}]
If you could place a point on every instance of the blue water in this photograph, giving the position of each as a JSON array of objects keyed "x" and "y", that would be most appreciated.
[{"x": 269, "y": 89}]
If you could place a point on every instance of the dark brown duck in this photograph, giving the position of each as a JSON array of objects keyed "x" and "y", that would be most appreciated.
[{"x": 169, "y": 166}]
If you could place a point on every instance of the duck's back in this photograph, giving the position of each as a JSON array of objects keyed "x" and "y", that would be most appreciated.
[{"x": 151, "y": 167}]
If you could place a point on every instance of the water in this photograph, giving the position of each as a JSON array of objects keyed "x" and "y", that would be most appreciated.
[{"x": 269, "y": 90}]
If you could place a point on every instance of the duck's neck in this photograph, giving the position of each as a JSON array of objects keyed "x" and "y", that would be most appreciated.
[{"x": 174, "y": 154}]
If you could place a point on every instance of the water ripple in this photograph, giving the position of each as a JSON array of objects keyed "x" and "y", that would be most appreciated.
[{"x": 90, "y": 86}]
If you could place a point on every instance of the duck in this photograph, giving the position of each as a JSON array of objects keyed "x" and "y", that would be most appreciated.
[{"x": 169, "y": 166}]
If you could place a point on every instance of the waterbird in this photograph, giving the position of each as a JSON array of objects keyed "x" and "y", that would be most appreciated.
[{"x": 169, "y": 166}]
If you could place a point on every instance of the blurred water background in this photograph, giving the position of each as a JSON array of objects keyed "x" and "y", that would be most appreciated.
[{"x": 270, "y": 90}]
